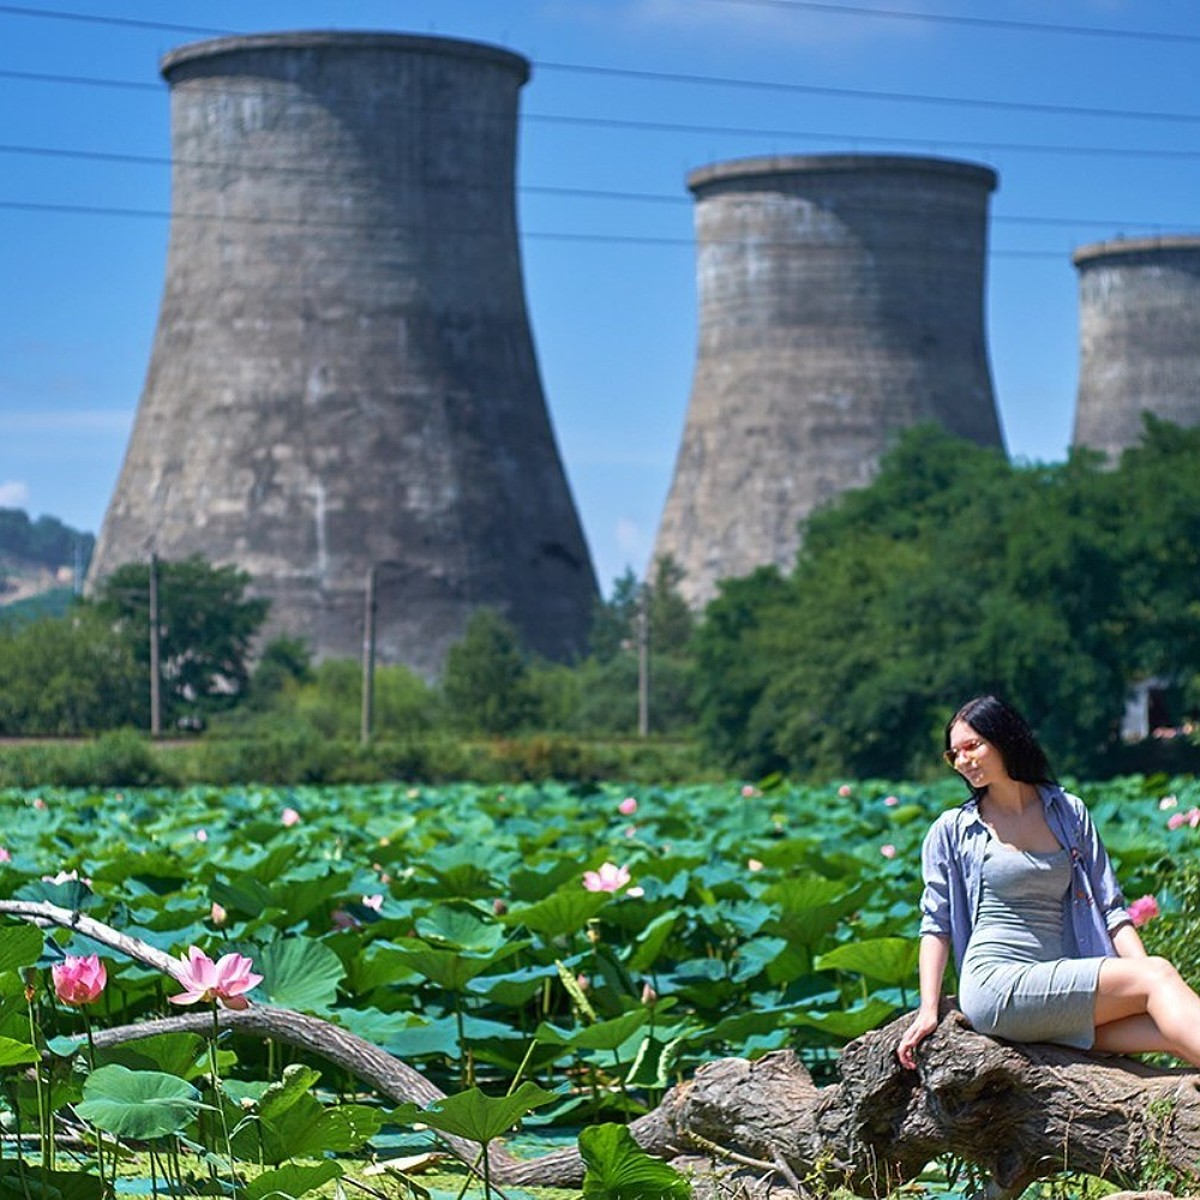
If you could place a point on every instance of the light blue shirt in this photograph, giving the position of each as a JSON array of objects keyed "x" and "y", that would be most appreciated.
[{"x": 952, "y": 866}]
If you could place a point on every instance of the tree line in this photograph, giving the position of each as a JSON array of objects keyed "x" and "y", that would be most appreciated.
[{"x": 1059, "y": 586}]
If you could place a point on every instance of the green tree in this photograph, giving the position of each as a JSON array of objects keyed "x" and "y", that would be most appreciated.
[
  {"x": 46, "y": 541},
  {"x": 207, "y": 624},
  {"x": 68, "y": 676},
  {"x": 956, "y": 572},
  {"x": 485, "y": 683}
]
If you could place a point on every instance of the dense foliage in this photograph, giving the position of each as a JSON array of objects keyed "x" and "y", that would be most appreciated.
[
  {"x": 1062, "y": 587},
  {"x": 88, "y": 670},
  {"x": 600, "y": 942},
  {"x": 954, "y": 573},
  {"x": 46, "y": 541}
]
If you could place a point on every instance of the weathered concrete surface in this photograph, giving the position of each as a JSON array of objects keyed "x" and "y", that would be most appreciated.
[
  {"x": 343, "y": 372},
  {"x": 841, "y": 300},
  {"x": 1139, "y": 326}
]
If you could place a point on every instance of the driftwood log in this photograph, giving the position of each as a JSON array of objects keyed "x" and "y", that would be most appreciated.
[{"x": 763, "y": 1129}]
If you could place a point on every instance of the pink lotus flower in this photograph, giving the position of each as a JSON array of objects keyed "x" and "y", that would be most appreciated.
[
  {"x": 1167, "y": 802},
  {"x": 1143, "y": 909},
  {"x": 627, "y": 807},
  {"x": 225, "y": 980},
  {"x": 891, "y": 801},
  {"x": 610, "y": 878},
  {"x": 844, "y": 790},
  {"x": 79, "y": 981},
  {"x": 752, "y": 864},
  {"x": 888, "y": 851},
  {"x": 631, "y": 831},
  {"x": 218, "y": 915},
  {"x": 39, "y": 803},
  {"x": 289, "y": 817},
  {"x": 1176, "y": 819},
  {"x": 749, "y": 791},
  {"x": 5, "y": 856},
  {"x": 202, "y": 835},
  {"x": 373, "y": 902}
]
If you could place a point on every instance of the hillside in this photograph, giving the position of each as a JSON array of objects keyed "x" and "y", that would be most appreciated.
[{"x": 39, "y": 561}]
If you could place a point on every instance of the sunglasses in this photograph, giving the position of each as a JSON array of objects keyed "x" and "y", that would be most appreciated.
[{"x": 970, "y": 749}]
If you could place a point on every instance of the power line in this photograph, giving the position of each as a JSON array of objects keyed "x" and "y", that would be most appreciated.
[
  {"x": 20, "y": 10},
  {"x": 854, "y": 10},
  {"x": 875, "y": 139},
  {"x": 527, "y": 189},
  {"x": 532, "y": 235},
  {"x": 929, "y": 144},
  {"x": 691, "y": 79},
  {"x": 851, "y": 10},
  {"x": 813, "y": 89}
]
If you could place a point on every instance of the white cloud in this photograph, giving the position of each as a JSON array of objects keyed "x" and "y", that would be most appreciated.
[{"x": 14, "y": 494}]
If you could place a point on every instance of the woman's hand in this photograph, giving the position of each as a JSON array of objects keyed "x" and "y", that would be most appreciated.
[
  {"x": 919, "y": 1028},
  {"x": 935, "y": 951}
]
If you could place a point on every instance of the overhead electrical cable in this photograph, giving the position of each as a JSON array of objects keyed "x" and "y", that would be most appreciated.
[
  {"x": 932, "y": 18},
  {"x": 534, "y": 189},
  {"x": 682, "y": 77},
  {"x": 848, "y": 10},
  {"x": 561, "y": 235}
]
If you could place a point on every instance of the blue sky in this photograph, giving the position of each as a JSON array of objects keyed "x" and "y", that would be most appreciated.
[{"x": 1088, "y": 109}]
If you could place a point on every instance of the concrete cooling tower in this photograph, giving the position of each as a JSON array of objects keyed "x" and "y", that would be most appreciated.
[
  {"x": 343, "y": 376},
  {"x": 1139, "y": 318},
  {"x": 841, "y": 300}
]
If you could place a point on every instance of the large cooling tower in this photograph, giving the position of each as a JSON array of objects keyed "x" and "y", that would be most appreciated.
[
  {"x": 343, "y": 375},
  {"x": 1139, "y": 318},
  {"x": 841, "y": 300}
]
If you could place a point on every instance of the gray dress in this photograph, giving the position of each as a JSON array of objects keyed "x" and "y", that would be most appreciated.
[{"x": 1015, "y": 982}]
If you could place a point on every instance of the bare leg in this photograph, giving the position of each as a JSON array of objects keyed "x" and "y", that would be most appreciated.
[{"x": 1144, "y": 1005}]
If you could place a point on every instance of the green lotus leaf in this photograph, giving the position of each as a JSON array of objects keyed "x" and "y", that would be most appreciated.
[
  {"x": 479, "y": 1117},
  {"x": 20, "y": 945},
  {"x": 461, "y": 929},
  {"x": 297, "y": 1081},
  {"x": 138, "y": 1104},
  {"x": 563, "y": 912},
  {"x": 13, "y": 1053},
  {"x": 300, "y": 973},
  {"x": 22, "y": 1182},
  {"x": 290, "y": 1179},
  {"x": 891, "y": 960},
  {"x": 850, "y": 1022},
  {"x": 653, "y": 939},
  {"x": 619, "y": 1169}
]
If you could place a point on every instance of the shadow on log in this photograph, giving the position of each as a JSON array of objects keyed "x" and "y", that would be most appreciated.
[{"x": 763, "y": 1129}]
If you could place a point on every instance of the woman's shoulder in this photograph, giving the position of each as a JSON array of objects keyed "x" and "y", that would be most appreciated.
[
  {"x": 950, "y": 823},
  {"x": 1054, "y": 795}
]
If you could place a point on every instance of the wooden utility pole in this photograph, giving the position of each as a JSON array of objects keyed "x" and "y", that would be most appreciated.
[
  {"x": 643, "y": 648},
  {"x": 155, "y": 674},
  {"x": 368, "y": 660}
]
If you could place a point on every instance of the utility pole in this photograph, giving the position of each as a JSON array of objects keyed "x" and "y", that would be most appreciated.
[
  {"x": 155, "y": 680},
  {"x": 643, "y": 648},
  {"x": 368, "y": 660}
]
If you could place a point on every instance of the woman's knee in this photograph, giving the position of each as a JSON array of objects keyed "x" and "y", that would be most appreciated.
[{"x": 1161, "y": 973}]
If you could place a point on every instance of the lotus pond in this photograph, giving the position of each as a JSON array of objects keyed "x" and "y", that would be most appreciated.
[{"x": 593, "y": 943}]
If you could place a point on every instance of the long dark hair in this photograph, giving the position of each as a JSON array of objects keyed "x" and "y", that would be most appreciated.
[{"x": 1001, "y": 724}]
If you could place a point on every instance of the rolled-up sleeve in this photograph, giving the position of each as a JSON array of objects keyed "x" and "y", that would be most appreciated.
[{"x": 1106, "y": 892}]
